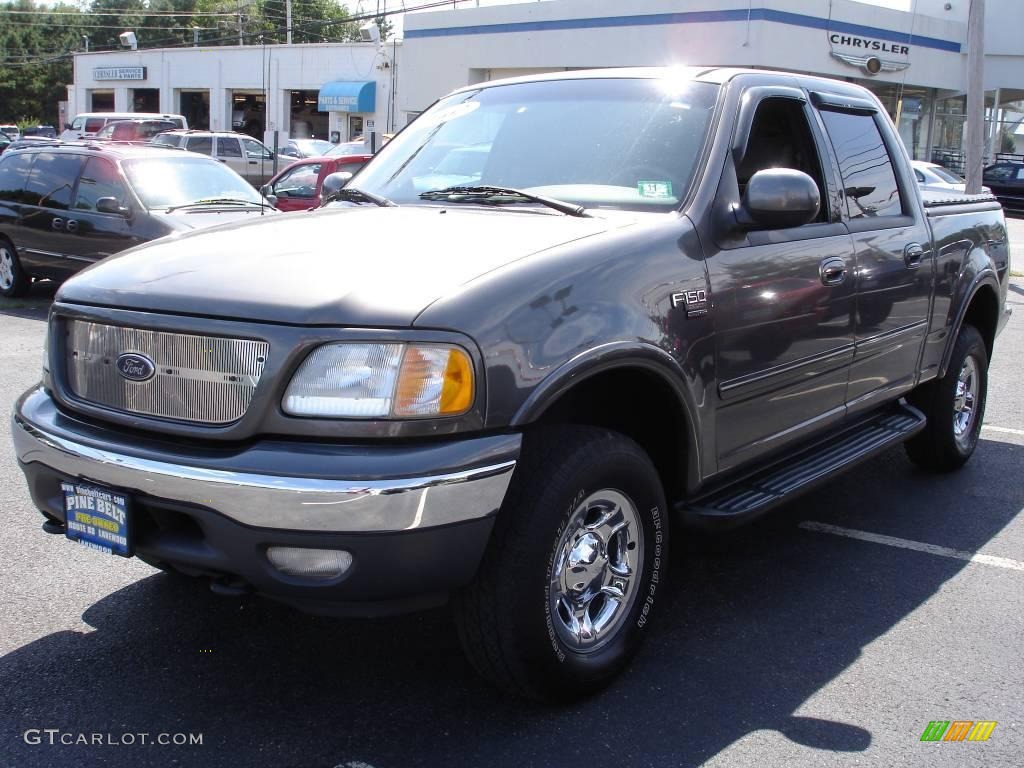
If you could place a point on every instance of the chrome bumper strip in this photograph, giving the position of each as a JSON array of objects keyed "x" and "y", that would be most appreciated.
[{"x": 280, "y": 502}]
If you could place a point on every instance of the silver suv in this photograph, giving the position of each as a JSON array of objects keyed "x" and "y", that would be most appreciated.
[{"x": 249, "y": 157}]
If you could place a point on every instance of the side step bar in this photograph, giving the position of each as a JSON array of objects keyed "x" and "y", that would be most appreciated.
[{"x": 753, "y": 495}]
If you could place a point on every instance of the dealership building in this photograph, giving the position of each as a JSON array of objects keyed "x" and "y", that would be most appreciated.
[{"x": 911, "y": 53}]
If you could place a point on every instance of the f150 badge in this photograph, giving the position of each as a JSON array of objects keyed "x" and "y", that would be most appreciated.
[{"x": 696, "y": 302}]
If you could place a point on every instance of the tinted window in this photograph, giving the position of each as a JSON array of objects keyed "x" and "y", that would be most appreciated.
[
  {"x": 228, "y": 147},
  {"x": 202, "y": 144},
  {"x": 99, "y": 179},
  {"x": 14, "y": 170},
  {"x": 868, "y": 177},
  {"x": 93, "y": 124},
  {"x": 151, "y": 129},
  {"x": 53, "y": 180},
  {"x": 169, "y": 139}
]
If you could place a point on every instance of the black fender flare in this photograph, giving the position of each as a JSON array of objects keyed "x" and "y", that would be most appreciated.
[
  {"x": 985, "y": 278},
  {"x": 620, "y": 355}
]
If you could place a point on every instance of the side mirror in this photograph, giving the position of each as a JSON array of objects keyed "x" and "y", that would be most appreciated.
[
  {"x": 111, "y": 205},
  {"x": 266, "y": 190},
  {"x": 777, "y": 198},
  {"x": 333, "y": 182},
  {"x": 272, "y": 199},
  {"x": 67, "y": 126}
]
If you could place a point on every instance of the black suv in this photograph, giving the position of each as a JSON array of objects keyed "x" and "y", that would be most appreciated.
[{"x": 66, "y": 205}]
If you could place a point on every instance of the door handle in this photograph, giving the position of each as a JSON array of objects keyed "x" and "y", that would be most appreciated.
[
  {"x": 252, "y": 162},
  {"x": 832, "y": 271},
  {"x": 912, "y": 255},
  {"x": 71, "y": 225},
  {"x": 56, "y": 223}
]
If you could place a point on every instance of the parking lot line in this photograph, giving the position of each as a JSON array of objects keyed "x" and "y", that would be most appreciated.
[
  {"x": 917, "y": 546},
  {"x": 1007, "y": 430}
]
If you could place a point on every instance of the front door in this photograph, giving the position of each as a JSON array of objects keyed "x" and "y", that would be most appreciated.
[
  {"x": 98, "y": 235},
  {"x": 781, "y": 300},
  {"x": 894, "y": 262}
]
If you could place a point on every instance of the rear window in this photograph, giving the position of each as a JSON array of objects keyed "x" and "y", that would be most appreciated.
[
  {"x": 14, "y": 171},
  {"x": 53, "y": 180},
  {"x": 868, "y": 177},
  {"x": 201, "y": 144}
]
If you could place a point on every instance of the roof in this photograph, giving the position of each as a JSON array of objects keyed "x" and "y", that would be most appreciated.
[{"x": 117, "y": 149}]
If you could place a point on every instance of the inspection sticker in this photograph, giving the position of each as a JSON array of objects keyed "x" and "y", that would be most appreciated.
[{"x": 661, "y": 190}]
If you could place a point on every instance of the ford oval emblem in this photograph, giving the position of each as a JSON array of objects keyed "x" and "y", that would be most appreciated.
[{"x": 135, "y": 367}]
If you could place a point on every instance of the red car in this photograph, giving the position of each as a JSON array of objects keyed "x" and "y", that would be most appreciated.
[{"x": 297, "y": 187}]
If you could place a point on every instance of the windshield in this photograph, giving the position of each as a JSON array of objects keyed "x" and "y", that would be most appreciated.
[
  {"x": 163, "y": 182},
  {"x": 313, "y": 147},
  {"x": 348, "y": 148},
  {"x": 600, "y": 143}
]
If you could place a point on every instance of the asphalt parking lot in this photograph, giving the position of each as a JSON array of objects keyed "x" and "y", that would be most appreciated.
[{"x": 803, "y": 640}]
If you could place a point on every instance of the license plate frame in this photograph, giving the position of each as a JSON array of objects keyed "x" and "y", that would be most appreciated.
[{"x": 98, "y": 517}]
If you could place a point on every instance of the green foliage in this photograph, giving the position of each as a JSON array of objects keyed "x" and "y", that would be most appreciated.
[{"x": 36, "y": 50}]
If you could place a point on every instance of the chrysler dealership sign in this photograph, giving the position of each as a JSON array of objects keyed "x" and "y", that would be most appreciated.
[
  {"x": 872, "y": 55},
  {"x": 119, "y": 73}
]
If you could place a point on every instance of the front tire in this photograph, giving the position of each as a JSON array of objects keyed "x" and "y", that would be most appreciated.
[
  {"x": 574, "y": 568},
  {"x": 14, "y": 281},
  {"x": 954, "y": 406}
]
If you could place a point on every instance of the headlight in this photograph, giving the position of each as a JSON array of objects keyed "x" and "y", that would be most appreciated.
[{"x": 380, "y": 381}]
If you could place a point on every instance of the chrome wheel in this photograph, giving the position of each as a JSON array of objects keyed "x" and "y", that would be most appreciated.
[
  {"x": 597, "y": 565},
  {"x": 6, "y": 268},
  {"x": 965, "y": 401}
]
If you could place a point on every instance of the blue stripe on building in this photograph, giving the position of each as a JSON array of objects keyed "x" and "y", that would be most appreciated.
[{"x": 692, "y": 17}]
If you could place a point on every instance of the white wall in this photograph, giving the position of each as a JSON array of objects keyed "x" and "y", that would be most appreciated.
[
  {"x": 278, "y": 68},
  {"x": 438, "y": 64}
]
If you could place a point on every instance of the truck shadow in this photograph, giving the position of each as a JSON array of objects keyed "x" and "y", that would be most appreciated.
[{"x": 758, "y": 621}]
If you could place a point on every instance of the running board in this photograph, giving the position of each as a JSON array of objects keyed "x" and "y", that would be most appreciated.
[{"x": 755, "y": 494}]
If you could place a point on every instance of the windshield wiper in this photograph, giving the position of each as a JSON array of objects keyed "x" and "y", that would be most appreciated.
[
  {"x": 493, "y": 195},
  {"x": 354, "y": 195},
  {"x": 216, "y": 201}
]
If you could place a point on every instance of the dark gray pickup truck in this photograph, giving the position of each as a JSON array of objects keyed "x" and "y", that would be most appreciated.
[{"x": 551, "y": 321}]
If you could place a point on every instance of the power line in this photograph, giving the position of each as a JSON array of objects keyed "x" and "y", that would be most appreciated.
[{"x": 126, "y": 12}]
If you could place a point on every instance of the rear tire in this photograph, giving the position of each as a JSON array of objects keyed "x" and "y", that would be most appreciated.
[
  {"x": 954, "y": 406},
  {"x": 569, "y": 582},
  {"x": 14, "y": 281}
]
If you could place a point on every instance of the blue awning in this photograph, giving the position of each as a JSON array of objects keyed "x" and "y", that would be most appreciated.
[{"x": 344, "y": 96}]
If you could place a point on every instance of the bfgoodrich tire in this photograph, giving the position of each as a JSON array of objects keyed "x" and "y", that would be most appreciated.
[
  {"x": 954, "y": 406},
  {"x": 574, "y": 570}
]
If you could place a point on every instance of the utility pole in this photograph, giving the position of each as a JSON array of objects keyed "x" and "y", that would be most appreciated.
[
  {"x": 288, "y": 16},
  {"x": 975, "y": 137},
  {"x": 239, "y": 22}
]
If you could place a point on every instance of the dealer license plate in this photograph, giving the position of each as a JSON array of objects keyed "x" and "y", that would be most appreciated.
[{"x": 97, "y": 517}]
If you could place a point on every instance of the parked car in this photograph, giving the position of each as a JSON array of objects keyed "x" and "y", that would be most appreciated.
[
  {"x": 11, "y": 131},
  {"x": 299, "y": 186},
  {"x": 305, "y": 148},
  {"x": 134, "y": 130},
  {"x": 64, "y": 206},
  {"x": 1007, "y": 182},
  {"x": 515, "y": 392},
  {"x": 249, "y": 157},
  {"x": 85, "y": 125},
  {"x": 935, "y": 178},
  {"x": 45, "y": 131},
  {"x": 248, "y": 117},
  {"x": 5, "y": 142}
]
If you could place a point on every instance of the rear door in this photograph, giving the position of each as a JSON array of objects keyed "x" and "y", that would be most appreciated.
[
  {"x": 229, "y": 152},
  {"x": 14, "y": 172},
  {"x": 781, "y": 299},
  {"x": 47, "y": 230},
  {"x": 894, "y": 259}
]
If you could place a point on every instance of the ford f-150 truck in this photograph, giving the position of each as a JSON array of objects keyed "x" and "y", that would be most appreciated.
[{"x": 656, "y": 298}]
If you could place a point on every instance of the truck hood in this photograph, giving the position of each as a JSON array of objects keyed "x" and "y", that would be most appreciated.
[
  {"x": 186, "y": 219},
  {"x": 348, "y": 266}
]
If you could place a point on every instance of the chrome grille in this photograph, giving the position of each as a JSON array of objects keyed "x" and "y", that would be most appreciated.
[{"x": 205, "y": 379}]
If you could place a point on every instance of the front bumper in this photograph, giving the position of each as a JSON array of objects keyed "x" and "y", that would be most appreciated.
[{"x": 416, "y": 518}]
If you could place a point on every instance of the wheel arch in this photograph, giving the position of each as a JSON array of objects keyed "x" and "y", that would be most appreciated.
[
  {"x": 980, "y": 310},
  {"x": 659, "y": 414}
]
